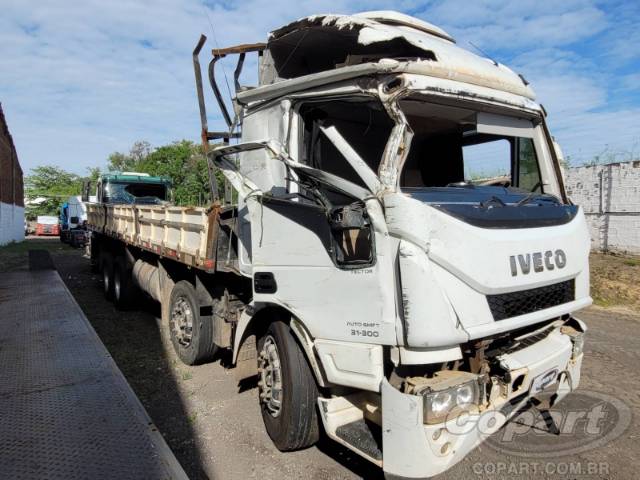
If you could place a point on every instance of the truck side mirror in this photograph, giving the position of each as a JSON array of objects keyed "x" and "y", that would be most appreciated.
[{"x": 86, "y": 190}]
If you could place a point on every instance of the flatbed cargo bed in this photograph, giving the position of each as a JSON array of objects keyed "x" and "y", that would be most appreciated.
[{"x": 196, "y": 236}]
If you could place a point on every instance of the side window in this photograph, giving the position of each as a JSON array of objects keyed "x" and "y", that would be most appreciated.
[
  {"x": 365, "y": 125},
  {"x": 488, "y": 162},
  {"x": 528, "y": 170}
]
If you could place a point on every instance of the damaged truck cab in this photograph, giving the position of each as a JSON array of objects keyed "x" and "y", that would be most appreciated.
[
  {"x": 413, "y": 260},
  {"x": 400, "y": 202}
]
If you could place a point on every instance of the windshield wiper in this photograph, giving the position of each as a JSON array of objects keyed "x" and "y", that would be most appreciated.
[{"x": 537, "y": 196}]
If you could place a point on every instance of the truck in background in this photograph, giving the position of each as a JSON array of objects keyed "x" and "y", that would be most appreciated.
[
  {"x": 73, "y": 217},
  {"x": 131, "y": 188},
  {"x": 121, "y": 188},
  {"x": 47, "y": 225},
  {"x": 355, "y": 264}
]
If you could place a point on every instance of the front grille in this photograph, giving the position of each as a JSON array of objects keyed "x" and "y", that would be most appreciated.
[{"x": 507, "y": 305}]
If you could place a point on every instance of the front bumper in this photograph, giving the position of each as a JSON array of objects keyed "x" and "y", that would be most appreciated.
[{"x": 412, "y": 449}]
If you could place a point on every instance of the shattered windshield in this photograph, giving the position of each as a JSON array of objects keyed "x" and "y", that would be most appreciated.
[
  {"x": 150, "y": 193},
  {"x": 456, "y": 154},
  {"x": 453, "y": 155}
]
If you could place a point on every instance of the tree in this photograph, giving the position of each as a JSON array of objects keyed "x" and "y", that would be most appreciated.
[
  {"x": 185, "y": 164},
  {"x": 93, "y": 174},
  {"x": 50, "y": 186},
  {"x": 129, "y": 162}
]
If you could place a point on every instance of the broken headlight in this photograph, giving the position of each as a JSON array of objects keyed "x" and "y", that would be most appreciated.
[{"x": 447, "y": 394}]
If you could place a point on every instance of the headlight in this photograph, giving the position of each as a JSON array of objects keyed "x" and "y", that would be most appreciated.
[
  {"x": 467, "y": 394},
  {"x": 447, "y": 395},
  {"x": 439, "y": 403}
]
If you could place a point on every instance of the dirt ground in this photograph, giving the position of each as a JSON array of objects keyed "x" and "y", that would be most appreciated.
[
  {"x": 615, "y": 281},
  {"x": 214, "y": 426}
]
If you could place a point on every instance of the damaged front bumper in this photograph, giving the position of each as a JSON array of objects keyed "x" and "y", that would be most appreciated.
[{"x": 543, "y": 372}]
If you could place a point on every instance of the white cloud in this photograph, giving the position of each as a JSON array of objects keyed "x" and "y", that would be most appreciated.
[
  {"x": 513, "y": 25},
  {"x": 630, "y": 82},
  {"x": 80, "y": 79}
]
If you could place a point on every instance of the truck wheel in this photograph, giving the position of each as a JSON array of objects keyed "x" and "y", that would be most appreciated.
[
  {"x": 123, "y": 287},
  {"x": 107, "y": 276},
  {"x": 288, "y": 391},
  {"x": 191, "y": 335}
]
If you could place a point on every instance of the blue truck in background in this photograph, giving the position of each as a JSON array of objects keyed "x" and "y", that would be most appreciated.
[{"x": 73, "y": 217}]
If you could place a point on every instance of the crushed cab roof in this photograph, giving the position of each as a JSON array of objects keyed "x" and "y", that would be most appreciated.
[{"x": 320, "y": 43}]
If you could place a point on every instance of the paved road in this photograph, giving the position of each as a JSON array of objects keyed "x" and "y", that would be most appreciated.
[
  {"x": 216, "y": 430},
  {"x": 67, "y": 411}
]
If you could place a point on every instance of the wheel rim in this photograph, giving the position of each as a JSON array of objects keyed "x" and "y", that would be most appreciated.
[
  {"x": 182, "y": 321},
  {"x": 270, "y": 383},
  {"x": 116, "y": 285}
]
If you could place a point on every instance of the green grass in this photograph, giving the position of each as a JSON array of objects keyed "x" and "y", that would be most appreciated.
[
  {"x": 632, "y": 262},
  {"x": 16, "y": 247},
  {"x": 15, "y": 256},
  {"x": 51, "y": 244}
]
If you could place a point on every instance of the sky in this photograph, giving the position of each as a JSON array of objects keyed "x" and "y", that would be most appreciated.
[{"x": 82, "y": 79}]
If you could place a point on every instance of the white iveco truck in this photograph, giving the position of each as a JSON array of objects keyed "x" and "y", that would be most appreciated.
[{"x": 394, "y": 255}]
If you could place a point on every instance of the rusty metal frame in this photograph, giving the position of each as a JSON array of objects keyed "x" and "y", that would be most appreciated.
[
  {"x": 216, "y": 90},
  {"x": 219, "y": 53},
  {"x": 206, "y": 135}
]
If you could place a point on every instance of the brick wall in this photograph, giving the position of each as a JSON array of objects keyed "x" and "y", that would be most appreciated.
[
  {"x": 610, "y": 197},
  {"x": 11, "y": 188}
]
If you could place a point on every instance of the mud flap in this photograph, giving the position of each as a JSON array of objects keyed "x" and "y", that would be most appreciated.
[{"x": 247, "y": 362}]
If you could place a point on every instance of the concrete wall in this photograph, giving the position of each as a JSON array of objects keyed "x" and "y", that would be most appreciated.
[
  {"x": 610, "y": 197},
  {"x": 11, "y": 223},
  {"x": 11, "y": 188}
]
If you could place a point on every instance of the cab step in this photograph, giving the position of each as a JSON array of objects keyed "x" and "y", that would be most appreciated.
[
  {"x": 362, "y": 435},
  {"x": 354, "y": 421}
]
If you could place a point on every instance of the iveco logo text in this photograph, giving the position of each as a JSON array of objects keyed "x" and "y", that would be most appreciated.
[{"x": 540, "y": 261}]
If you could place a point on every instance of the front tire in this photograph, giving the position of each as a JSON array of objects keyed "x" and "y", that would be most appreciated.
[
  {"x": 288, "y": 391},
  {"x": 191, "y": 335}
]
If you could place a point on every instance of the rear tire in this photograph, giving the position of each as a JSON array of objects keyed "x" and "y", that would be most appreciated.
[
  {"x": 107, "y": 276},
  {"x": 290, "y": 415},
  {"x": 123, "y": 288},
  {"x": 191, "y": 335}
]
